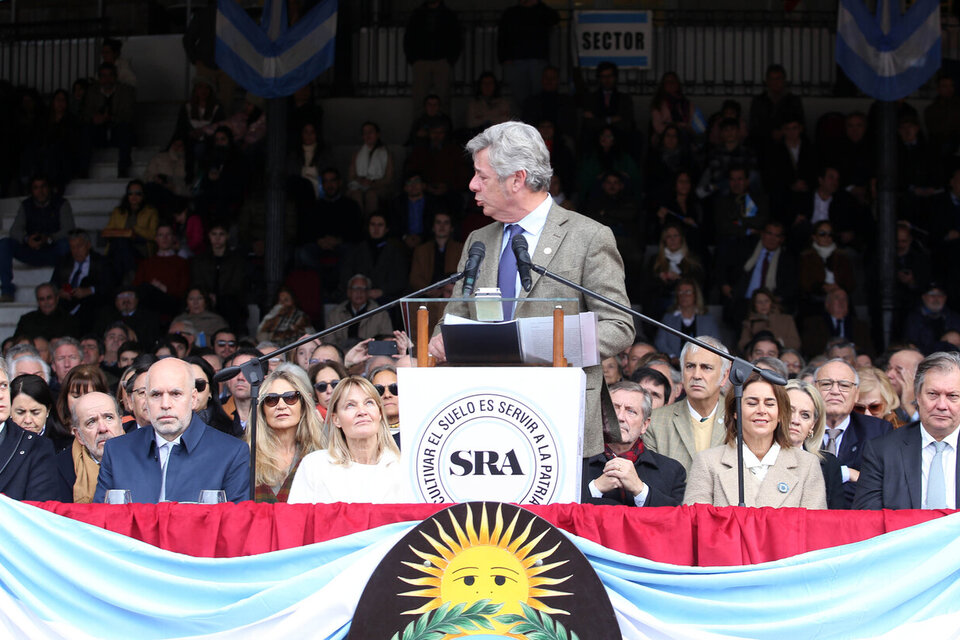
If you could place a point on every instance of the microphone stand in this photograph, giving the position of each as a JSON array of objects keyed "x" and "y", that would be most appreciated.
[
  {"x": 252, "y": 370},
  {"x": 740, "y": 369}
]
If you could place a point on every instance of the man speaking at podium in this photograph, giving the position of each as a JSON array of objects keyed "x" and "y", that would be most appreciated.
[{"x": 511, "y": 179}]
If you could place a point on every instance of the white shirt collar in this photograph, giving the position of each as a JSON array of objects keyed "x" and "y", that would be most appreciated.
[
  {"x": 769, "y": 459},
  {"x": 926, "y": 438},
  {"x": 844, "y": 424},
  {"x": 533, "y": 222},
  {"x": 696, "y": 416},
  {"x": 160, "y": 440}
]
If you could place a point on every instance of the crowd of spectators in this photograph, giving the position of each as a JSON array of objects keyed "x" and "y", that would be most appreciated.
[{"x": 761, "y": 213}]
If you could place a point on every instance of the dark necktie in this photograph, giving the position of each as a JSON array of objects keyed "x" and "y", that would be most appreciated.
[
  {"x": 764, "y": 268},
  {"x": 75, "y": 278},
  {"x": 507, "y": 272}
]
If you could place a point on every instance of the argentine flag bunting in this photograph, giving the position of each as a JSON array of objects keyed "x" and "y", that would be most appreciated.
[
  {"x": 271, "y": 59},
  {"x": 888, "y": 55}
]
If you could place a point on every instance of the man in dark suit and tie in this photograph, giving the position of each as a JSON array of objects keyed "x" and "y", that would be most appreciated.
[
  {"x": 510, "y": 182},
  {"x": 916, "y": 467},
  {"x": 836, "y": 322},
  {"x": 84, "y": 279},
  {"x": 179, "y": 455},
  {"x": 627, "y": 473},
  {"x": 846, "y": 432}
]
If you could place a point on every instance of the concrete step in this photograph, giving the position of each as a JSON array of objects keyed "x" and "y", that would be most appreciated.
[
  {"x": 108, "y": 171},
  {"x": 96, "y": 188}
]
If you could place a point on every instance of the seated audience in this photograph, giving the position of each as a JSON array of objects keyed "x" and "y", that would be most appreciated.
[
  {"x": 807, "y": 424},
  {"x": 361, "y": 462},
  {"x": 304, "y": 162},
  {"x": 765, "y": 315},
  {"x": 382, "y": 258},
  {"x": 902, "y": 370},
  {"x": 166, "y": 176},
  {"x": 127, "y": 309},
  {"x": 384, "y": 379},
  {"x": 823, "y": 268},
  {"x": 674, "y": 261},
  {"x": 208, "y": 407},
  {"x": 916, "y": 467},
  {"x": 84, "y": 278},
  {"x": 81, "y": 380},
  {"x": 431, "y": 117},
  {"x": 678, "y": 205},
  {"x": 924, "y": 326},
  {"x": 789, "y": 168},
  {"x": 612, "y": 373},
  {"x": 836, "y": 321},
  {"x": 238, "y": 405},
  {"x": 550, "y": 104},
  {"x": 205, "y": 322},
  {"x": 683, "y": 429},
  {"x": 162, "y": 279},
  {"x": 131, "y": 229},
  {"x": 441, "y": 165},
  {"x": 776, "y": 473},
  {"x": 876, "y": 397},
  {"x": 607, "y": 155},
  {"x": 285, "y": 321},
  {"x": 109, "y": 118},
  {"x": 192, "y": 456},
  {"x": 721, "y": 160},
  {"x": 763, "y": 345},
  {"x": 370, "y": 178},
  {"x": 846, "y": 430},
  {"x": 762, "y": 261},
  {"x": 288, "y": 429},
  {"x": 95, "y": 418},
  {"x": 358, "y": 301},
  {"x": 31, "y": 473},
  {"x": 202, "y": 110},
  {"x": 224, "y": 274},
  {"x": 610, "y": 107},
  {"x": 688, "y": 315},
  {"x": 627, "y": 473},
  {"x": 38, "y": 235},
  {"x": 110, "y": 52},
  {"x": 325, "y": 374},
  {"x": 31, "y": 407},
  {"x": 829, "y": 203},
  {"x": 487, "y": 106},
  {"x": 670, "y": 107},
  {"x": 437, "y": 257},
  {"x": 775, "y": 105},
  {"x": 49, "y": 320}
]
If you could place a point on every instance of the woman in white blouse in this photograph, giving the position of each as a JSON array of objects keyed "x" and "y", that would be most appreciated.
[
  {"x": 776, "y": 473},
  {"x": 361, "y": 462}
]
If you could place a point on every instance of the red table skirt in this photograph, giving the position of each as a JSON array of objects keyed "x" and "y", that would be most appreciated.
[{"x": 697, "y": 535}]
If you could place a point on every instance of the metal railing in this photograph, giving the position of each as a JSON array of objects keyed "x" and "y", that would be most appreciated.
[
  {"x": 714, "y": 53},
  {"x": 41, "y": 56}
]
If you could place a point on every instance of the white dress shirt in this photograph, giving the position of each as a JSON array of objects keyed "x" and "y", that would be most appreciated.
[
  {"x": 532, "y": 225},
  {"x": 758, "y": 468},
  {"x": 949, "y": 460}
]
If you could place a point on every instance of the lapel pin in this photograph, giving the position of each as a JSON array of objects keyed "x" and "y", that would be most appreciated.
[
  {"x": 547, "y": 250},
  {"x": 782, "y": 487}
]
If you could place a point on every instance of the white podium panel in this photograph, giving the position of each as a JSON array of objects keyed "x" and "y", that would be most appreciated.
[{"x": 508, "y": 434}]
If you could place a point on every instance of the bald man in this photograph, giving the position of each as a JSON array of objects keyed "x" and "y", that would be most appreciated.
[
  {"x": 178, "y": 455},
  {"x": 95, "y": 418}
]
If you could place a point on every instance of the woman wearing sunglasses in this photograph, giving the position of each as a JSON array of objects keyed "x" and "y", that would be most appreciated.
[
  {"x": 325, "y": 375},
  {"x": 361, "y": 462},
  {"x": 208, "y": 406},
  {"x": 384, "y": 380},
  {"x": 288, "y": 428},
  {"x": 877, "y": 398}
]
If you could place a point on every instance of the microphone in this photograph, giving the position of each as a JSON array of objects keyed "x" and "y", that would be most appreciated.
[
  {"x": 523, "y": 260},
  {"x": 771, "y": 376},
  {"x": 474, "y": 258}
]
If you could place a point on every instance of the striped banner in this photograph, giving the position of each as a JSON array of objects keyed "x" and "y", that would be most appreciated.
[
  {"x": 888, "y": 55},
  {"x": 272, "y": 60},
  {"x": 64, "y": 579}
]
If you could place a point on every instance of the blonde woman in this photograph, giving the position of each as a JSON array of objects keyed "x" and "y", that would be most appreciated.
[
  {"x": 808, "y": 420},
  {"x": 877, "y": 398},
  {"x": 288, "y": 429},
  {"x": 361, "y": 462}
]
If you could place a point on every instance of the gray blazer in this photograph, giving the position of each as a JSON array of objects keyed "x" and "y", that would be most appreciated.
[
  {"x": 671, "y": 434},
  {"x": 795, "y": 480},
  {"x": 584, "y": 251}
]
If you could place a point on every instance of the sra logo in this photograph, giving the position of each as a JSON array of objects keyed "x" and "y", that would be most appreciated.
[
  {"x": 490, "y": 463},
  {"x": 484, "y": 445}
]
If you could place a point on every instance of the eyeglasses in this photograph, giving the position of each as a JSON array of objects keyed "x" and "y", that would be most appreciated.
[
  {"x": 873, "y": 407},
  {"x": 289, "y": 398},
  {"x": 844, "y": 386},
  {"x": 392, "y": 388},
  {"x": 226, "y": 343},
  {"x": 321, "y": 387},
  {"x": 200, "y": 384}
]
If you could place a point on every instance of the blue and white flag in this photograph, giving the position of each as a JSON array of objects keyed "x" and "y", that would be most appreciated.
[
  {"x": 63, "y": 579},
  {"x": 888, "y": 55},
  {"x": 698, "y": 123},
  {"x": 271, "y": 59}
]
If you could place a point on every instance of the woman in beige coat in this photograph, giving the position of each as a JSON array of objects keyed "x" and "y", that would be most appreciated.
[{"x": 776, "y": 474}]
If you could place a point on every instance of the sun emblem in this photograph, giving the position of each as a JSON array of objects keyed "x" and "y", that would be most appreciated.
[{"x": 495, "y": 567}]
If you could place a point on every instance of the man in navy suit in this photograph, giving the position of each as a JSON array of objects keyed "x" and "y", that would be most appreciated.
[
  {"x": 627, "y": 473},
  {"x": 916, "y": 467},
  {"x": 178, "y": 455},
  {"x": 846, "y": 432}
]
